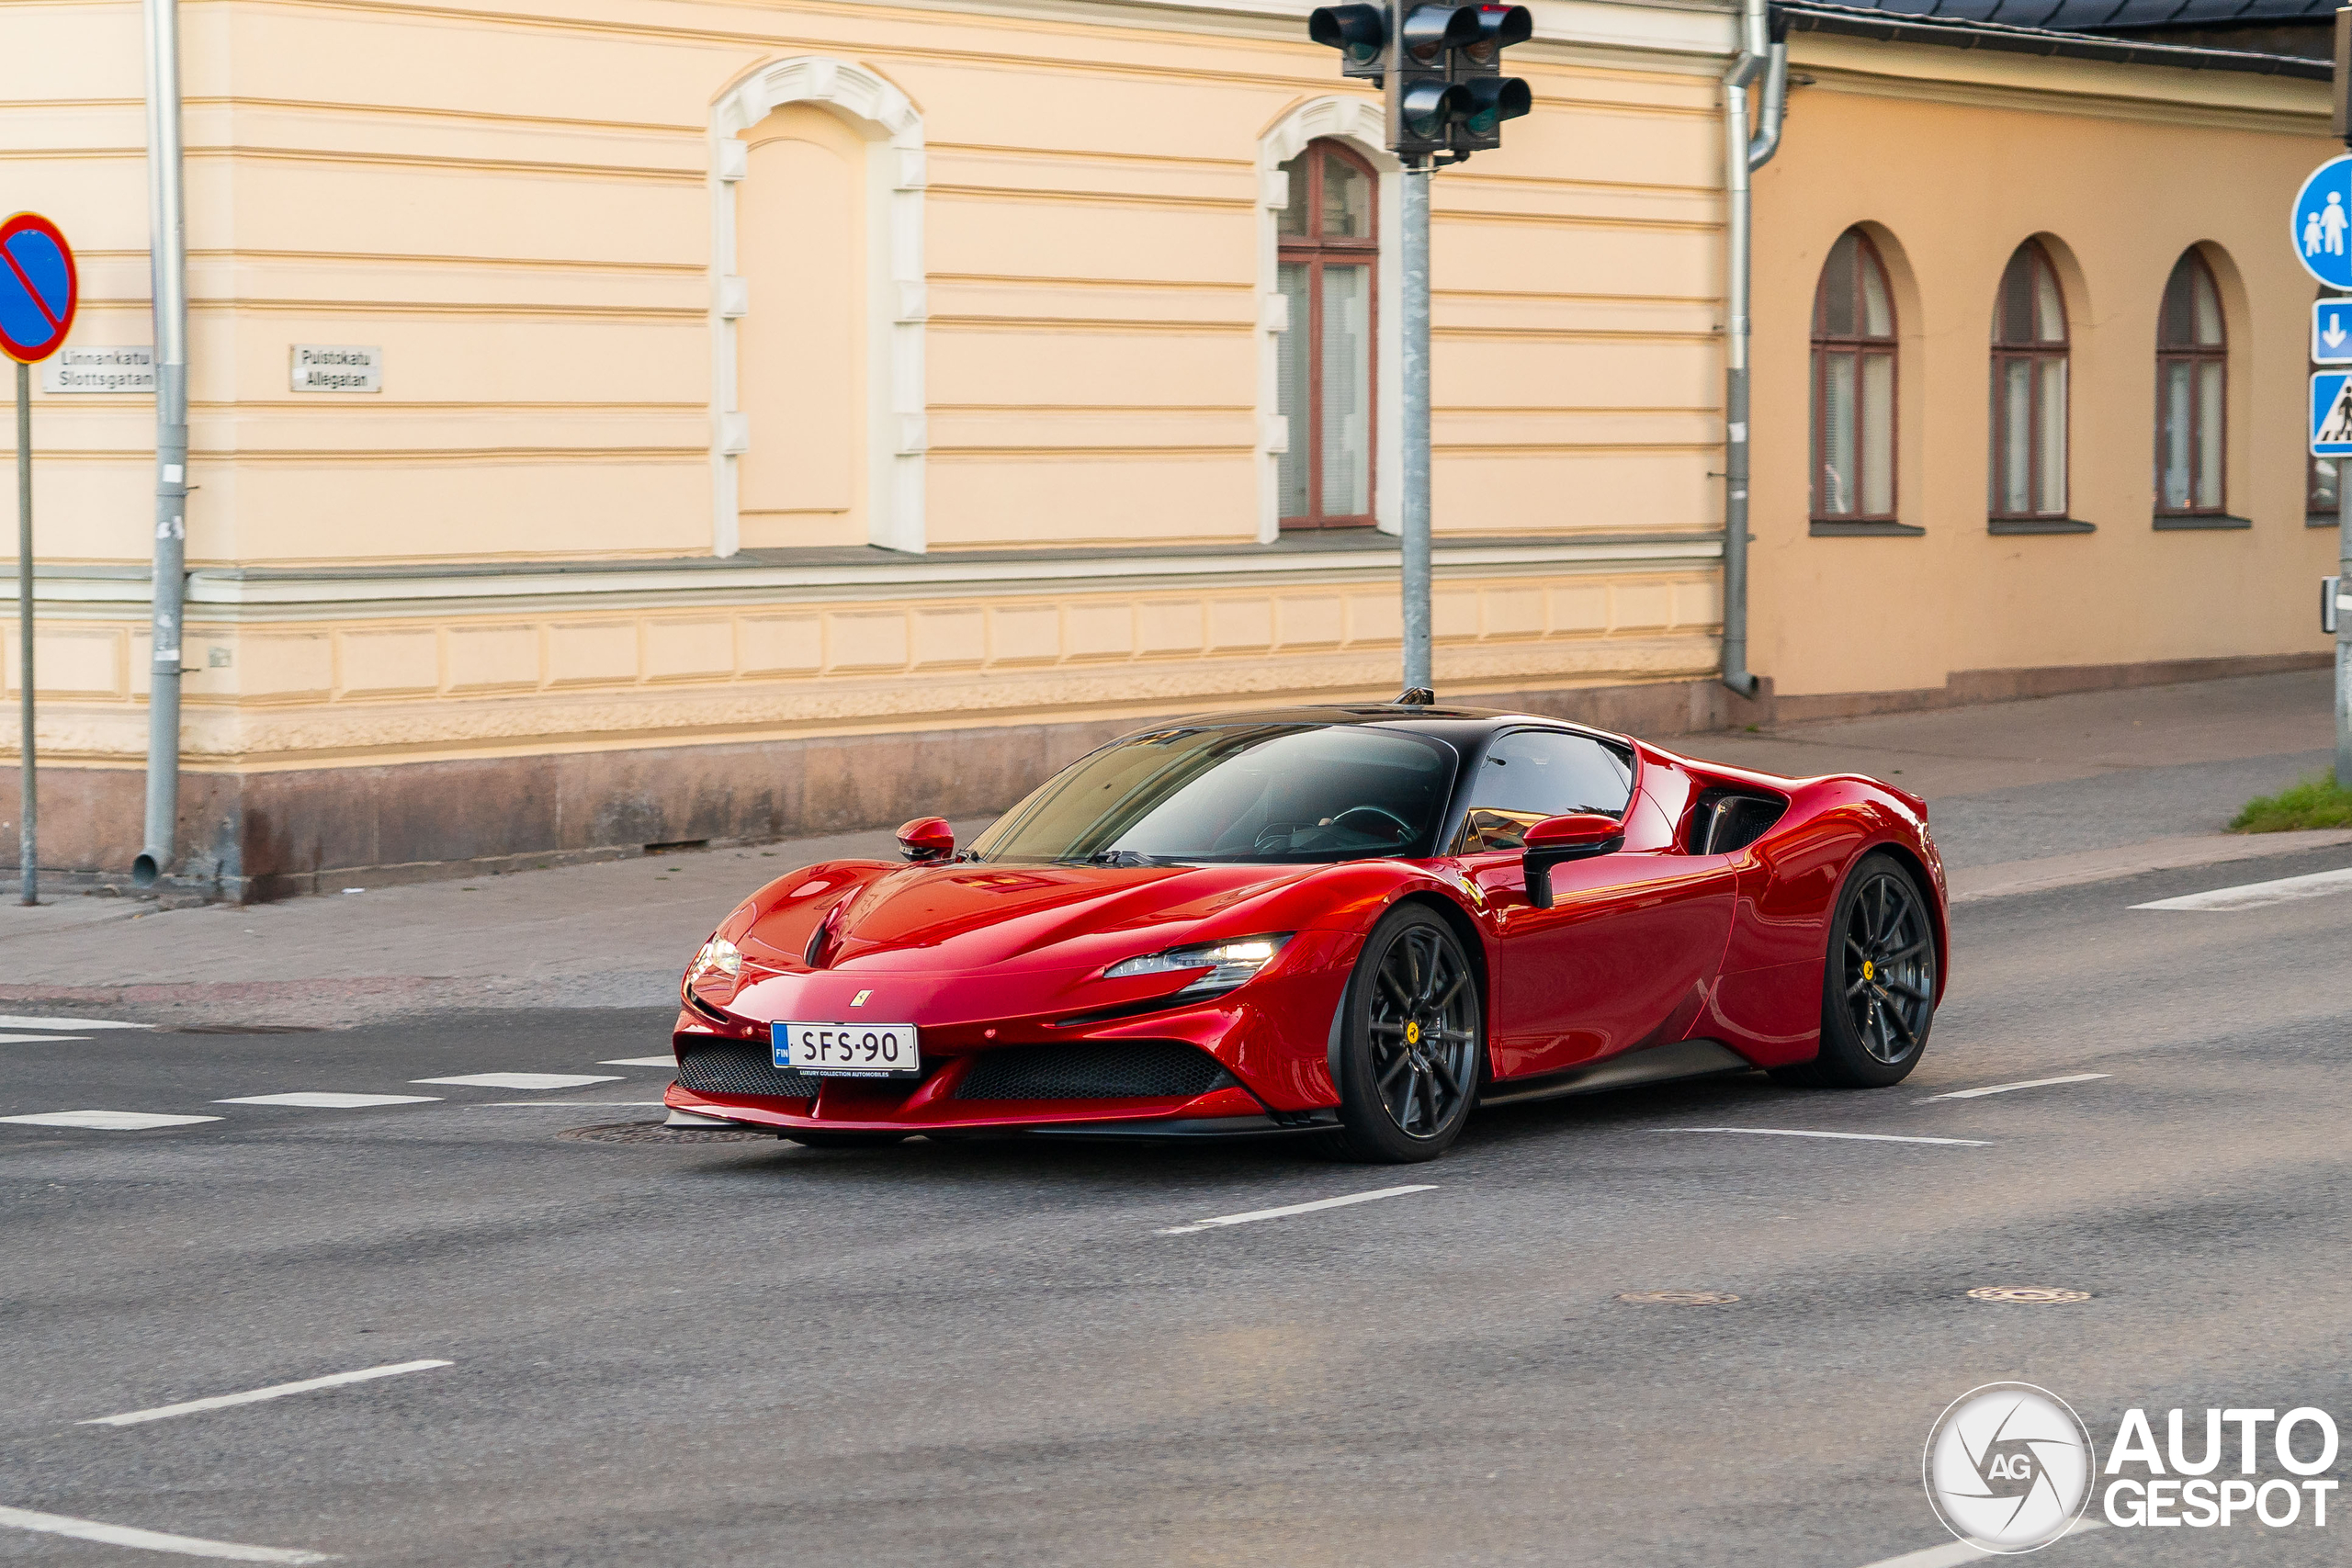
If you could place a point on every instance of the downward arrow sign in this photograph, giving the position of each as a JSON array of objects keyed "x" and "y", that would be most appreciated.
[{"x": 2333, "y": 336}]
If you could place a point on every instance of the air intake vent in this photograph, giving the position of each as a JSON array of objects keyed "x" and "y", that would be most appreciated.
[
  {"x": 1125, "y": 1069},
  {"x": 742, "y": 1067}
]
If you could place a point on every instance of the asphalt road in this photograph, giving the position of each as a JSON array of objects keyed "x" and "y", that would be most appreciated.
[{"x": 714, "y": 1349}]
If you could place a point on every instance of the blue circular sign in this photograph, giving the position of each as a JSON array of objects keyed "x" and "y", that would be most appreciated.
[
  {"x": 2321, "y": 226},
  {"x": 39, "y": 288}
]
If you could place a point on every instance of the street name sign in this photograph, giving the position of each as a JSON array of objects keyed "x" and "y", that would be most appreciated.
[
  {"x": 2332, "y": 414},
  {"x": 331, "y": 368},
  {"x": 81, "y": 370},
  {"x": 2331, "y": 332},
  {"x": 39, "y": 288}
]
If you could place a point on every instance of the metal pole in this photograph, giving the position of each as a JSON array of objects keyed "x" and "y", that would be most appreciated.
[
  {"x": 1739, "y": 161},
  {"x": 29, "y": 793},
  {"x": 1415, "y": 190},
  {"x": 167, "y": 252}
]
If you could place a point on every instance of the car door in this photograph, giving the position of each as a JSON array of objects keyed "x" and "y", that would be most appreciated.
[{"x": 1622, "y": 957}]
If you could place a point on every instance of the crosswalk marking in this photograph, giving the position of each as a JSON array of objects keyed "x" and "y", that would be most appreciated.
[
  {"x": 526, "y": 1080},
  {"x": 107, "y": 1120},
  {"x": 9, "y": 1021},
  {"x": 327, "y": 1099}
]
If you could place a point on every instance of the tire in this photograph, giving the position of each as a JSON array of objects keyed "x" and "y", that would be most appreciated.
[
  {"x": 1412, "y": 1044},
  {"x": 1878, "y": 982},
  {"x": 844, "y": 1140}
]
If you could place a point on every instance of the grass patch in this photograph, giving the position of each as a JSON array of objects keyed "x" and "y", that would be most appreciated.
[{"x": 2317, "y": 802}]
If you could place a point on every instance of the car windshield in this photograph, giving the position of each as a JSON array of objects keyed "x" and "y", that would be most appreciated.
[{"x": 1299, "y": 793}]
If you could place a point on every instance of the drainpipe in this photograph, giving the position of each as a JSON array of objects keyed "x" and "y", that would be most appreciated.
[
  {"x": 168, "y": 260},
  {"x": 1759, "y": 54}
]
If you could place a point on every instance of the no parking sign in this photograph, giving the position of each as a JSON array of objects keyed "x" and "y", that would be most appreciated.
[
  {"x": 39, "y": 291},
  {"x": 39, "y": 288}
]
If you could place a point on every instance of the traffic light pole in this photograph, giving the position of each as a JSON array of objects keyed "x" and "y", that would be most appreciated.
[{"x": 1414, "y": 189}]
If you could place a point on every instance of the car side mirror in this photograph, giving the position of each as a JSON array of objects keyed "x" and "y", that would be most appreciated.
[
  {"x": 927, "y": 839},
  {"x": 1580, "y": 835}
]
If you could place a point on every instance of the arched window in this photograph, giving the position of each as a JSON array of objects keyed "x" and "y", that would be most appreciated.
[
  {"x": 1853, "y": 386},
  {"x": 2192, "y": 366},
  {"x": 2028, "y": 469},
  {"x": 1329, "y": 242}
]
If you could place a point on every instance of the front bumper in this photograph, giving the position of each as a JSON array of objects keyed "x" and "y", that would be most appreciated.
[{"x": 1270, "y": 1037}]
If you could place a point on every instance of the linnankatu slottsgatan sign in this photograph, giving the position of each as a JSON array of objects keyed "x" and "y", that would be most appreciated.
[
  {"x": 333, "y": 367},
  {"x": 70, "y": 370}
]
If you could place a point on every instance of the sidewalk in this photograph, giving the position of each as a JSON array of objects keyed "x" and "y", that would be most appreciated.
[{"x": 2042, "y": 793}]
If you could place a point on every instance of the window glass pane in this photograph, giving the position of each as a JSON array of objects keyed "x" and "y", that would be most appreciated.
[
  {"x": 2172, "y": 437},
  {"x": 1347, "y": 201},
  {"x": 1547, "y": 773},
  {"x": 1878, "y": 434},
  {"x": 2209, "y": 433},
  {"x": 1291, "y": 360},
  {"x": 2013, "y": 312},
  {"x": 1346, "y": 391},
  {"x": 2173, "y": 327},
  {"x": 1878, "y": 315},
  {"x": 1837, "y": 288},
  {"x": 2208, "y": 309},
  {"x": 1837, "y": 434},
  {"x": 1293, "y": 217},
  {"x": 2048, "y": 310},
  {"x": 2051, "y": 450},
  {"x": 2014, "y": 483}
]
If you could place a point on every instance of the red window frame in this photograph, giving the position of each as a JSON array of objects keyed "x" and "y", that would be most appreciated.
[
  {"x": 1861, "y": 346},
  {"x": 1315, "y": 250}
]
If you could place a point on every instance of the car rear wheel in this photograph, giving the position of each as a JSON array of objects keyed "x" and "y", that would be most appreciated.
[
  {"x": 1878, "y": 996},
  {"x": 1412, "y": 1044},
  {"x": 844, "y": 1140}
]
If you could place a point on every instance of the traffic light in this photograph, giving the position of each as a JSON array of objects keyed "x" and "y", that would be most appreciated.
[
  {"x": 1441, "y": 67},
  {"x": 1422, "y": 100},
  {"x": 1485, "y": 96},
  {"x": 1359, "y": 32}
]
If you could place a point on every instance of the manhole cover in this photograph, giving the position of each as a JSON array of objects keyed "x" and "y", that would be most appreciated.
[
  {"x": 655, "y": 1133},
  {"x": 2026, "y": 1293},
  {"x": 1678, "y": 1298}
]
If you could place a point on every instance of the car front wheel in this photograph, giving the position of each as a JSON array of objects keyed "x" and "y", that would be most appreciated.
[{"x": 1412, "y": 1043}]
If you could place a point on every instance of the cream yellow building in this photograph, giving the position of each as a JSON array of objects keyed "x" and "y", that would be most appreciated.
[{"x": 801, "y": 415}]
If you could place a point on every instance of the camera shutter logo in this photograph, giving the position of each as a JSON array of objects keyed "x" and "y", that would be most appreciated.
[{"x": 2008, "y": 1467}]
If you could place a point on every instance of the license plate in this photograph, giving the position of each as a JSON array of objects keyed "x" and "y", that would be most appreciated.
[{"x": 848, "y": 1050}]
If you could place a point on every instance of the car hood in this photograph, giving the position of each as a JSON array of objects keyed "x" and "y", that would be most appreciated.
[{"x": 965, "y": 917}]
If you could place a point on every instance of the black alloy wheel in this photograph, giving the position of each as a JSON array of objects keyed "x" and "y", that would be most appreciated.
[
  {"x": 1412, "y": 1048},
  {"x": 1879, "y": 984}
]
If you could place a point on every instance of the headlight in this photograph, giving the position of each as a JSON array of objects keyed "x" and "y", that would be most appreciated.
[
  {"x": 1226, "y": 964},
  {"x": 719, "y": 959}
]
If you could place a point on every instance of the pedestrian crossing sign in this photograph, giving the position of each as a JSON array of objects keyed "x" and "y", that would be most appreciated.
[{"x": 2332, "y": 414}]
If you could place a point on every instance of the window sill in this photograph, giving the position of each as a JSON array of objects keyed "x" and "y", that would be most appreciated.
[
  {"x": 2038, "y": 525},
  {"x": 2177, "y": 522},
  {"x": 1821, "y": 530}
]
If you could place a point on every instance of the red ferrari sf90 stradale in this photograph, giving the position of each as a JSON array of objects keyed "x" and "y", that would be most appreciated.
[{"x": 1353, "y": 923}]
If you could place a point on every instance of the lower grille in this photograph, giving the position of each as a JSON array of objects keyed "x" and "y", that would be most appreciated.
[
  {"x": 740, "y": 1067},
  {"x": 1123, "y": 1069}
]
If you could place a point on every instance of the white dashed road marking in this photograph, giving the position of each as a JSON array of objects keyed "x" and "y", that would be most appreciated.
[
  {"x": 2005, "y": 1088},
  {"x": 1858, "y": 1137},
  {"x": 526, "y": 1080},
  {"x": 39, "y": 1039},
  {"x": 153, "y": 1541},
  {"x": 8, "y": 1021},
  {"x": 663, "y": 1061},
  {"x": 1289, "y": 1209},
  {"x": 494, "y": 1104},
  {"x": 276, "y": 1391},
  {"x": 107, "y": 1120},
  {"x": 2253, "y": 894},
  {"x": 326, "y": 1100},
  {"x": 1952, "y": 1553}
]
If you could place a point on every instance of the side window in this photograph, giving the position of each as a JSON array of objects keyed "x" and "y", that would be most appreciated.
[{"x": 1530, "y": 775}]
